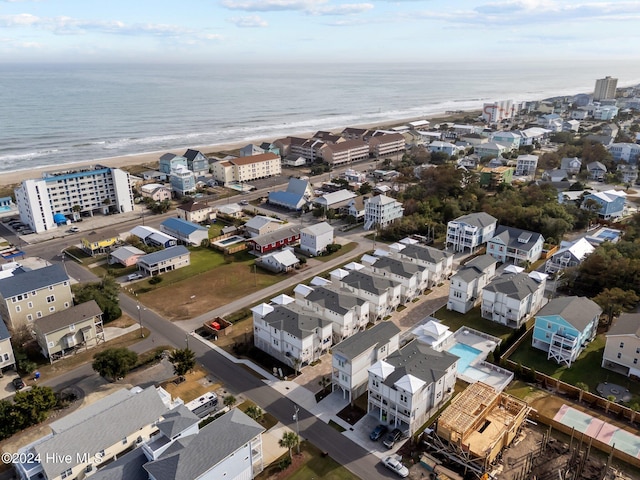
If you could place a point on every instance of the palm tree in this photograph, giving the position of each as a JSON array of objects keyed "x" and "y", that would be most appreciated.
[
  {"x": 583, "y": 387},
  {"x": 289, "y": 440},
  {"x": 229, "y": 401},
  {"x": 324, "y": 382},
  {"x": 254, "y": 412}
]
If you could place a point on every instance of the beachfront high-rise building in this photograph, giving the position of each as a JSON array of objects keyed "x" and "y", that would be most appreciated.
[
  {"x": 605, "y": 88},
  {"x": 497, "y": 111},
  {"x": 59, "y": 196}
]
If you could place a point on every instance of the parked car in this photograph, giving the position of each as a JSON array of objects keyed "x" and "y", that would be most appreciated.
[
  {"x": 244, "y": 202},
  {"x": 18, "y": 383},
  {"x": 392, "y": 437},
  {"x": 378, "y": 432},
  {"x": 28, "y": 231},
  {"x": 394, "y": 463},
  {"x": 73, "y": 230},
  {"x": 134, "y": 276}
]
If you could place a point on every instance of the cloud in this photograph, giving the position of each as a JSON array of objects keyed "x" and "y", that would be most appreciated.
[
  {"x": 346, "y": 9},
  {"x": 250, "y": 21},
  {"x": 271, "y": 5}
]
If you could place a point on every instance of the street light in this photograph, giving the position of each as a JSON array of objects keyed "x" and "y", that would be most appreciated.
[
  {"x": 139, "y": 315},
  {"x": 295, "y": 417}
]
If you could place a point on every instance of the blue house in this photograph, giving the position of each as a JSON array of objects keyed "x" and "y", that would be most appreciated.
[
  {"x": 197, "y": 162},
  {"x": 297, "y": 195},
  {"x": 170, "y": 161},
  {"x": 186, "y": 232},
  {"x": 611, "y": 203},
  {"x": 564, "y": 327}
]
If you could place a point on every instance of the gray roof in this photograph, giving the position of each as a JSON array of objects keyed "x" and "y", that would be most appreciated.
[
  {"x": 127, "y": 467},
  {"x": 317, "y": 229},
  {"x": 4, "y": 332},
  {"x": 27, "y": 281},
  {"x": 475, "y": 267},
  {"x": 627, "y": 324},
  {"x": 334, "y": 299},
  {"x": 162, "y": 255},
  {"x": 359, "y": 343},
  {"x": 478, "y": 219},
  {"x": 70, "y": 316},
  {"x": 177, "y": 420},
  {"x": 273, "y": 237},
  {"x": 192, "y": 457},
  {"x": 578, "y": 311},
  {"x": 397, "y": 267},
  {"x": 513, "y": 285},
  {"x": 420, "y": 361},
  {"x": 99, "y": 427},
  {"x": 368, "y": 282},
  {"x": 425, "y": 253},
  {"x": 123, "y": 253},
  {"x": 516, "y": 238},
  {"x": 295, "y": 320}
]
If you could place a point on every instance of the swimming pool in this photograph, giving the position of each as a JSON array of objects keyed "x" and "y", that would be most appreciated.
[
  {"x": 466, "y": 353},
  {"x": 225, "y": 242},
  {"x": 5, "y": 208}
]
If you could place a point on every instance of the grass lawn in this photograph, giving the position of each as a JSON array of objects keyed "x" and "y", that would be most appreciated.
[
  {"x": 585, "y": 369},
  {"x": 194, "y": 386},
  {"x": 473, "y": 319},
  {"x": 343, "y": 251},
  {"x": 267, "y": 420}
]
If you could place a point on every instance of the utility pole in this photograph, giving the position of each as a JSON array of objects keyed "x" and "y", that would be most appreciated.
[{"x": 295, "y": 417}]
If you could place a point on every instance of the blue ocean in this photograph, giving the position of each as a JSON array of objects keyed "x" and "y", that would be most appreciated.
[{"x": 54, "y": 114}]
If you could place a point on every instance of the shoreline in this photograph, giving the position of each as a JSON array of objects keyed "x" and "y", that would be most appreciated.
[{"x": 17, "y": 176}]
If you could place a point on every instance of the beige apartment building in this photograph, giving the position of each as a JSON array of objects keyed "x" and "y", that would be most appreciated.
[
  {"x": 246, "y": 169},
  {"x": 387, "y": 144},
  {"x": 345, "y": 152},
  {"x": 31, "y": 294}
]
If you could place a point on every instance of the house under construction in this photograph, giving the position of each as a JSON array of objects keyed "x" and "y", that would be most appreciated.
[{"x": 478, "y": 424}]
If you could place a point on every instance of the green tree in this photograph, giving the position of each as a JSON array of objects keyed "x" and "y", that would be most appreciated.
[
  {"x": 289, "y": 440},
  {"x": 183, "y": 360},
  {"x": 32, "y": 406},
  {"x": 635, "y": 408},
  {"x": 255, "y": 412},
  {"x": 582, "y": 387},
  {"x": 324, "y": 382},
  {"x": 105, "y": 293},
  {"x": 114, "y": 363},
  {"x": 614, "y": 300},
  {"x": 365, "y": 188},
  {"x": 8, "y": 425},
  {"x": 229, "y": 401}
]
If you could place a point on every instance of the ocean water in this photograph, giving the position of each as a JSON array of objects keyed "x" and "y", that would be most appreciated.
[{"x": 54, "y": 114}]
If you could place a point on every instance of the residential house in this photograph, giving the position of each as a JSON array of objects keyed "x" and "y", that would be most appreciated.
[
  {"x": 344, "y": 152},
  {"x": 493, "y": 177},
  {"x": 596, "y": 171},
  {"x": 571, "y": 126},
  {"x": 69, "y": 330},
  {"x": 511, "y": 244},
  {"x": 470, "y": 231},
  {"x": 438, "y": 262},
  {"x": 152, "y": 237},
  {"x": 534, "y": 135},
  {"x": 155, "y": 192},
  {"x": 94, "y": 435},
  {"x": 490, "y": 150},
  {"x": 611, "y": 203},
  {"x": 165, "y": 260},
  {"x": 526, "y": 165},
  {"x": 195, "y": 212},
  {"x": 512, "y": 298},
  {"x": 551, "y": 121},
  {"x": 7, "y": 358},
  {"x": 579, "y": 114},
  {"x": 473, "y": 139},
  {"x": 383, "y": 294},
  {"x": 506, "y": 138},
  {"x": 93, "y": 247},
  {"x": 183, "y": 181},
  {"x": 27, "y": 295},
  {"x": 446, "y": 147},
  {"x": 603, "y": 112},
  {"x": 381, "y": 211},
  {"x": 315, "y": 239},
  {"x": 625, "y": 152},
  {"x": 232, "y": 210},
  {"x": 246, "y": 169},
  {"x": 465, "y": 288},
  {"x": 570, "y": 254},
  {"x": 413, "y": 278},
  {"x": 291, "y": 334},
  {"x": 434, "y": 334},
  {"x": 622, "y": 350},
  {"x": 564, "y": 326},
  {"x": 353, "y": 357},
  {"x": 408, "y": 387},
  {"x": 351, "y": 133},
  {"x": 275, "y": 240},
  {"x": 261, "y": 225},
  {"x": 347, "y": 313},
  {"x": 170, "y": 162},
  {"x": 197, "y": 162},
  {"x": 155, "y": 176},
  {"x": 280, "y": 261},
  {"x": 289, "y": 146},
  {"x": 126, "y": 256},
  {"x": 250, "y": 150},
  {"x": 386, "y": 144},
  {"x": 355, "y": 208},
  {"x": 297, "y": 195},
  {"x": 334, "y": 200},
  {"x": 628, "y": 174},
  {"x": 571, "y": 165},
  {"x": 186, "y": 232}
]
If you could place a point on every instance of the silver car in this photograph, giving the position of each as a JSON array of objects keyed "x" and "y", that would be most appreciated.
[{"x": 394, "y": 463}]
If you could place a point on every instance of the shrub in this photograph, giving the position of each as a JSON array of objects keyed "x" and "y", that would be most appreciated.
[
  {"x": 284, "y": 463},
  {"x": 155, "y": 280}
]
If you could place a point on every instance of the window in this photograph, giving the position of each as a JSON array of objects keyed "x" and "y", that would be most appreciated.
[
  {"x": 635, "y": 361},
  {"x": 51, "y": 298},
  {"x": 52, "y": 309},
  {"x": 124, "y": 441},
  {"x": 50, "y": 344},
  {"x": 619, "y": 355},
  {"x": 66, "y": 304},
  {"x": 30, "y": 318},
  {"x": 403, "y": 398},
  {"x": 18, "y": 308},
  {"x": 39, "y": 314},
  {"x": 72, "y": 327},
  {"x": 67, "y": 473},
  {"x": 6, "y": 357},
  {"x": 30, "y": 304},
  {"x": 621, "y": 344},
  {"x": 275, "y": 342},
  {"x": 375, "y": 383}
]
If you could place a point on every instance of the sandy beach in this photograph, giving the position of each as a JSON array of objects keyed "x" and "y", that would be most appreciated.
[{"x": 15, "y": 177}]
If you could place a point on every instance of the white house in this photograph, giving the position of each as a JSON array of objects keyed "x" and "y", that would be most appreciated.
[
  {"x": 470, "y": 231},
  {"x": 446, "y": 147},
  {"x": 512, "y": 298},
  {"x": 352, "y": 358},
  {"x": 526, "y": 165},
  {"x": 315, "y": 239},
  {"x": 622, "y": 350},
  {"x": 189, "y": 233},
  {"x": 407, "y": 387},
  {"x": 291, "y": 334},
  {"x": 195, "y": 212},
  {"x": 511, "y": 244},
  {"x": 438, "y": 262},
  {"x": 435, "y": 334},
  {"x": 413, "y": 278},
  {"x": 465, "y": 288},
  {"x": 507, "y": 139},
  {"x": 165, "y": 260},
  {"x": 279, "y": 261},
  {"x": 7, "y": 358},
  {"x": 348, "y": 313},
  {"x": 152, "y": 237},
  {"x": 380, "y": 211},
  {"x": 261, "y": 225},
  {"x": 570, "y": 254},
  {"x": 627, "y": 152}
]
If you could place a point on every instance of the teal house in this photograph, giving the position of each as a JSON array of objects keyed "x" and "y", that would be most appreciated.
[{"x": 564, "y": 326}]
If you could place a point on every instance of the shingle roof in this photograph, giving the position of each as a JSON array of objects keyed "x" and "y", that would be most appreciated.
[
  {"x": 578, "y": 311},
  {"x": 4, "y": 332},
  {"x": 123, "y": 253},
  {"x": 192, "y": 457},
  {"x": 70, "y": 316},
  {"x": 627, "y": 324},
  {"x": 295, "y": 320},
  {"x": 27, "y": 281},
  {"x": 420, "y": 361},
  {"x": 192, "y": 154},
  {"x": 361, "y": 342},
  {"x": 193, "y": 207},
  {"x": 333, "y": 299},
  {"x": 513, "y": 285},
  {"x": 317, "y": 229},
  {"x": 128, "y": 466},
  {"x": 397, "y": 267},
  {"x": 273, "y": 237},
  {"x": 516, "y": 237},
  {"x": 260, "y": 221},
  {"x": 161, "y": 255},
  {"x": 107, "y": 425},
  {"x": 479, "y": 219},
  {"x": 425, "y": 253},
  {"x": 369, "y": 283},
  {"x": 177, "y": 420}
]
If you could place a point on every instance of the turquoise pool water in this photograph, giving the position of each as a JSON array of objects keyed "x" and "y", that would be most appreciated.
[
  {"x": 466, "y": 353},
  {"x": 4, "y": 208}
]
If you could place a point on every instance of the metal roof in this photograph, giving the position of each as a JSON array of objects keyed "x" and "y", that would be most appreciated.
[
  {"x": 27, "y": 281},
  {"x": 162, "y": 255}
]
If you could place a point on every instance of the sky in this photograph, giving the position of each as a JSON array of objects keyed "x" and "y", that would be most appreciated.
[{"x": 316, "y": 30}]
